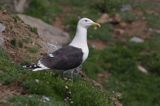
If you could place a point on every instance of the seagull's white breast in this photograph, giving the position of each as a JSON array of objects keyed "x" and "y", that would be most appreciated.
[{"x": 85, "y": 53}]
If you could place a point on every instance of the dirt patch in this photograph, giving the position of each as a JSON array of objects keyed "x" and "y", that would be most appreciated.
[
  {"x": 7, "y": 91},
  {"x": 19, "y": 38},
  {"x": 98, "y": 44},
  {"x": 136, "y": 28},
  {"x": 102, "y": 77},
  {"x": 60, "y": 20}
]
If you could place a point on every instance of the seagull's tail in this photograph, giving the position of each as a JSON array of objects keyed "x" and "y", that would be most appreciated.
[{"x": 31, "y": 66}]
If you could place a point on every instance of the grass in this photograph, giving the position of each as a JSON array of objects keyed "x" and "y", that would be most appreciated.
[
  {"x": 40, "y": 84},
  {"x": 33, "y": 49},
  {"x": 104, "y": 33},
  {"x": 34, "y": 100},
  {"x": 44, "y": 9},
  {"x": 128, "y": 16},
  {"x": 121, "y": 61},
  {"x": 153, "y": 20},
  {"x": 109, "y": 5}
]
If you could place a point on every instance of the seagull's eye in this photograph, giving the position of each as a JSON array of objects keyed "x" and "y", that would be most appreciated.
[{"x": 86, "y": 20}]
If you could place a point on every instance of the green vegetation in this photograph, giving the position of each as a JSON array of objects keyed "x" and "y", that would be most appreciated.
[
  {"x": 33, "y": 49},
  {"x": 121, "y": 61},
  {"x": 104, "y": 33},
  {"x": 44, "y": 9},
  {"x": 109, "y": 5},
  {"x": 34, "y": 30},
  {"x": 153, "y": 20},
  {"x": 16, "y": 43},
  {"x": 41, "y": 84},
  {"x": 128, "y": 16},
  {"x": 34, "y": 100}
]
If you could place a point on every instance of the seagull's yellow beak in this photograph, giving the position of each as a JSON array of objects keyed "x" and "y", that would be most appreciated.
[{"x": 96, "y": 25}]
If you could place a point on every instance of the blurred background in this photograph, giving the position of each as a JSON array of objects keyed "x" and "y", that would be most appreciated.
[{"x": 123, "y": 68}]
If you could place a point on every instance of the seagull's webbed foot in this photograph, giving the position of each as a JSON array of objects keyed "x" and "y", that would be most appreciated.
[{"x": 71, "y": 73}]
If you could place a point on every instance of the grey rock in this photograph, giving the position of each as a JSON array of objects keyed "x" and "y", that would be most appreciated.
[
  {"x": 126, "y": 7},
  {"x": 1, "y": 40},
  {"x": 2, "y": 28},
  {"x": 15, "y": 5},
  {"x": 50, "y": 35},
  {"x": 136, "y": 40},
  {"x": 21, "y": 5},
  {"x": 142, "y": 69}
]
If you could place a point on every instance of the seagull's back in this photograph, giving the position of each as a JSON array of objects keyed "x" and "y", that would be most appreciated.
[{"x": 65, "y": 58}]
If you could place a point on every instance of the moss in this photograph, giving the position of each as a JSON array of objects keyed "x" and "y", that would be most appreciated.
[{"x": 33, "y": 49}]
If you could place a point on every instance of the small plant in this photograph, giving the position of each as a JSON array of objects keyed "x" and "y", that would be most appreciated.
[
  {"x": 109, "y": 5},
  {"x": 20, "y": 44},
  {"x": 34, "y": 30},
  {"x": 27, "y": 40},
  {"x": 14, "y": 42},
  {"x": 128, "y": 16},
  {"x": 33, "y": 49},
  {"x": 153, "y": 20}
]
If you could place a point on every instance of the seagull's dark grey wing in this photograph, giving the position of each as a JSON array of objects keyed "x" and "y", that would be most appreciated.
[{"x": 66, "y": 58}]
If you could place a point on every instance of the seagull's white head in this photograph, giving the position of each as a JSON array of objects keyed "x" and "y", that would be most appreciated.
[{"x": 86, "y": 22}]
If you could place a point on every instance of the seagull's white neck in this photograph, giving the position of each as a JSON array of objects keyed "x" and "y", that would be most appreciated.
[{"x": 80, "y": 39}]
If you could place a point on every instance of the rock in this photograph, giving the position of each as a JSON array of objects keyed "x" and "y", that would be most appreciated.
[
  {"x": 2, "y": 28},
  {"x": 15, "y": 5},
  {"x": 104, "y": 18},
  {"x": 119, "y": 31},
  {"x": 142, "y": 69},
  {"x": 21, "y": 5},
  {"x": 136, "y": 40},
  {"x": 126, "y": 7},
  {"x": 153, "y": 30},
  {"x": 116, "y": 19},
  {"x": 123, "y": 25},
  {"x": 97, "y": 44},
  {"x": 1, "y": 40},
  {"x": 50, "y": 35}
]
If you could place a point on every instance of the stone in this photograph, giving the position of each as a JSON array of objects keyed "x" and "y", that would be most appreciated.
[
  {"x": 52, "y": 37},
  {"x": 116, "y": 19},
  {"x": 136, "y": 40},
  {"x": 126, "y": 7},
  {"x": 21, "y": 5},
  {"x": 18, "y": 6},
  {"x": 2, "y": 27},
  {"x": 123, "y": 25},
  {"x": 119, "y": 31},
  {"x": 104, "y": 18},
  {"x": 142, "y": 69},
  {"x": 1, "y": 40}
]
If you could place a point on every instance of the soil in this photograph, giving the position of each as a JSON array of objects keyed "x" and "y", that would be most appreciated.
[
  {"x": 7, "y": 91},
  {"x": 97, "y": 44},
  {"x": 60, "y": 20},
  {"x": 19, "y": 38}
]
